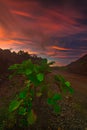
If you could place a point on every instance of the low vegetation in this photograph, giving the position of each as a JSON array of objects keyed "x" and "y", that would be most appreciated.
[{"x": 37, "y": 93}]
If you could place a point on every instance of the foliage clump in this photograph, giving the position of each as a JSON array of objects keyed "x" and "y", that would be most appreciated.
[{"x": 22, "y": 110}]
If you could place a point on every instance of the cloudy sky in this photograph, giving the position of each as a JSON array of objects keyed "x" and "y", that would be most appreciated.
[{"x": 55, "y": 29}]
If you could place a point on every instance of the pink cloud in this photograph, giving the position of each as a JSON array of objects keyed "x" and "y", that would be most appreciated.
[{"x": 59, "y": 48}]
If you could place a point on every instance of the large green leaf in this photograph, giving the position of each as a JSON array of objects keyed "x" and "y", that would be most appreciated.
[
  {"x": 67, "y": 84},
  {"x": 22, "y": 94},
  {"x": 14, "y": 105},
  {"x": 22, "y": 111},
  {"x": 28, "y": 71},
  {"x": 31, "y": 117},
  {"x": 57, "y": 97},
  {"x": 68, "y": 87},
  {"x": 32, "y": 77},
  {"x": 36, "y": 68},
  {"x": 60, "y": 78},
  {"x": 40, "y": 76},
  {"x": 50, "y": 101},
  {"x": 27, "y": 67},
  {"x": 44, "y": 68},
  {"x": 27, "y": 63},
  {"x": 12, "y": 67}
]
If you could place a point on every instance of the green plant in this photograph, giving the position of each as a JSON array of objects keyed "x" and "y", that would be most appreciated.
[{"x": 35, "y": 89}]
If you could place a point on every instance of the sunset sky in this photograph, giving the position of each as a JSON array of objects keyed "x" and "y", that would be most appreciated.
[{"x": 54, "y": 29}]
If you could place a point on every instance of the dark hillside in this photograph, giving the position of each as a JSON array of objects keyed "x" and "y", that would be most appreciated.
[{"x": 79, "y": 66}]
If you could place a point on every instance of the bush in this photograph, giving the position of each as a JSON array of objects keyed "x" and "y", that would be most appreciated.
[{"x": 23, "y": 109}]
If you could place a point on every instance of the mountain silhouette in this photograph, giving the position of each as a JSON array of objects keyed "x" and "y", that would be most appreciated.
[{"x": 79, "y": 66}]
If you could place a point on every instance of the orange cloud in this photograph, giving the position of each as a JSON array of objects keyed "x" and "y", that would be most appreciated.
[
  {"x": 2, "y": 32},
  {"x": 5, "y": 44},
  {"x": 59, "y": 48},
  {"x": 21, "y": 13}
]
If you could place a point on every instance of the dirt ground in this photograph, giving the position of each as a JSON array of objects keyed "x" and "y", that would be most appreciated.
[{"x": 79, "y": 83}]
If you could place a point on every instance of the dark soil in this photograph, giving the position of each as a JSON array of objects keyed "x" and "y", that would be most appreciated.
[{"x": 73, "y": 115}]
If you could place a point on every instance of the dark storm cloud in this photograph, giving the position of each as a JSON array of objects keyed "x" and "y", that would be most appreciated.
[
  {"x": 44, "y": 1},
  {"x": 57, "y": 2},
  {"x": 80, "y": 2},
  {"x": 77, "y": 36},
  {"x": 74, "y": 41},
  {"x": 82, "y": 21},
  {"x": 85, "y": 12}
]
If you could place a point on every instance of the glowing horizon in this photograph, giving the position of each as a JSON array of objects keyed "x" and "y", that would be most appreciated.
[{"x": 55, "y": 30}]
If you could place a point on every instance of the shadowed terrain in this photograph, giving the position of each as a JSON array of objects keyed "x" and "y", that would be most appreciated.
[
  {"x": 8, "y": 89},
  {"x": 79, "y": 66},
  {"x": 79, "y": 83}
]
